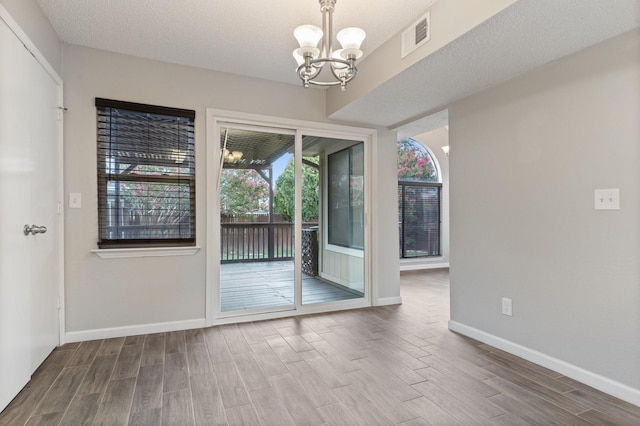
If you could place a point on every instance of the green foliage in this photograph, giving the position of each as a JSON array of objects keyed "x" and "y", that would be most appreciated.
[
  {"x": 284, "y": 198},
  {"x": 243, "y": 191},
  {"x": 154, "y": 203},
  {"x": 149, "y": 203},
  {"x": 415, "y": 163}
]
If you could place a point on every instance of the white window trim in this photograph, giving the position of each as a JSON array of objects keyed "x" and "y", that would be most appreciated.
[{"x": 121, "y": 253}]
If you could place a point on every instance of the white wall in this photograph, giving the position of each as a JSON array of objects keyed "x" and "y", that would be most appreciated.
[
  {"x": 435, "y": 140},
  {"x": 525, "y": 159},
  {"x": 32, "y": 20},
  {"x": 139, "y": 291}
]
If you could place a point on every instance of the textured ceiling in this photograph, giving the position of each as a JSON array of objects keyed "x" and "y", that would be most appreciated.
[
  {"x": 526, "y": 35},
  {"x": 246, "y": 37},
  {"x": 254, "y": 38}
]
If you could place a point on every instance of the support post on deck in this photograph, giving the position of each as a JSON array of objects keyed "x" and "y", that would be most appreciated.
[{"x": 271, "y": 228}]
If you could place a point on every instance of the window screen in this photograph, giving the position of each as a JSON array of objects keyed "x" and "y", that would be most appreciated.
[{"x": 146, "y": 175}]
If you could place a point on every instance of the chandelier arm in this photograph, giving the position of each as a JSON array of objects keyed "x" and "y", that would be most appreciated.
[
  {"x": 325, "y": 83},
  {"x": 317, "y": 64},
  {"x": 348, "y": 74},
  {"x": 302, "y": 71}
]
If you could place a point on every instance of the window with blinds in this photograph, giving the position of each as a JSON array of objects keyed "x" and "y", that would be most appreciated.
[
  {"x": 419, "y": 213},
  {"x": 146, "y": 175}
]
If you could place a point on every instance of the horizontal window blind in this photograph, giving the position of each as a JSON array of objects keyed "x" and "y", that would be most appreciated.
[
  {"x": 146, "y": 175},
  {"x": 419, "y": 212}
]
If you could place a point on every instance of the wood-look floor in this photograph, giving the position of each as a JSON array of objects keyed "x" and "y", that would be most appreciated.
[{"x": 395, "y": 365}]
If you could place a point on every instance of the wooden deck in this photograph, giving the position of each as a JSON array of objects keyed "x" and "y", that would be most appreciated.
[{"x": 255, "y": 285}]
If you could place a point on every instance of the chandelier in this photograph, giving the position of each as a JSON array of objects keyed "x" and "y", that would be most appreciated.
[
  {"x": 311, "y": 59},
  {"x": 231, "y": 156}
]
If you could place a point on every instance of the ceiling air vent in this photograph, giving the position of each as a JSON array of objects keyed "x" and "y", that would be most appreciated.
[{"x": 416, "y": 35}]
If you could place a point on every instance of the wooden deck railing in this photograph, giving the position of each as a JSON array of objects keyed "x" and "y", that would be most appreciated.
[{"x": 245, "y": 242}]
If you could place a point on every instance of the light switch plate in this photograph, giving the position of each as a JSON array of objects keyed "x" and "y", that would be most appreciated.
[
  {"x": 607, "y": 199},
  {"x": 75, "y": 200}
]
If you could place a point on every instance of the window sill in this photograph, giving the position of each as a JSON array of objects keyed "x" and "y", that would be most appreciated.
[
  {"x": 423, "y": 263},
  {"x": 423, "y": 259},
  {"x": 145, "y": 252}
]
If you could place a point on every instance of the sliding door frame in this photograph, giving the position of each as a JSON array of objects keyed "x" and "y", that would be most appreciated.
[{"x": 217, "y": 119}]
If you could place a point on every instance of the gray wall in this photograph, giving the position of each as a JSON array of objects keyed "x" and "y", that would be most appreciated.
[
  {"x": 525, "y": 159},
  {"x": 102, "y": 293},
  {"x": 33, "y": 22}
]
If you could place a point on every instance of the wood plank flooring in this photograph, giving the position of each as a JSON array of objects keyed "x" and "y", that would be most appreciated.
[
  {"x": 253, "y": 285},
  {"x": 395, "y": 365}
]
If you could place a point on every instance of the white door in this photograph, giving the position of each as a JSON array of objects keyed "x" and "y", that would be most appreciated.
[{"x": 29, "y": 264}]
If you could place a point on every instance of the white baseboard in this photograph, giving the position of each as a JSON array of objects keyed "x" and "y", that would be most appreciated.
[
  {"x": 383, "y": 301},
  {"x": 604, "y": 384},
  {"x": 422, "y": 266},
  {"x": 423, "y": 263},
  {"x": 132, "y": 330}
]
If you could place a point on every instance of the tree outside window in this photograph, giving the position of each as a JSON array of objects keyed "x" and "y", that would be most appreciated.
[{"x": 414, "y": 163}]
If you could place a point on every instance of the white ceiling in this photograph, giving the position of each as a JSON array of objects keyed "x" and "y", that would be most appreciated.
[
  {"x": 247, "y": 37},
  {"x": 254, "y": 38},
  {"x": 526, "y": 35}
]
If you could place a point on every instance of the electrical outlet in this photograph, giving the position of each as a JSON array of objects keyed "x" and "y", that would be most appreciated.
[{"x": 507, "y": 307}]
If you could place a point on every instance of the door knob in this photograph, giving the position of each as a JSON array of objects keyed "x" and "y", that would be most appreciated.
[{"x": 34, "y": 229}]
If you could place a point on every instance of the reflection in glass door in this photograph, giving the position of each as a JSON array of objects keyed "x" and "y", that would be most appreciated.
[
  {"x": 333, "y": 220},
  {"x": 257, "y": 187}
]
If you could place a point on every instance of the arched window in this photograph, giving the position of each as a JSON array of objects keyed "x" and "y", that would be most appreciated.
[
  {"x": 415, "y": 163},
  {"x": 419, "y": 191}
]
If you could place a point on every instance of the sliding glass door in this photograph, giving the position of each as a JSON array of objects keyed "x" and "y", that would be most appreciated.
[
  {"x": 257, "y": 215},
  {"x": 291, "y": 220}
]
